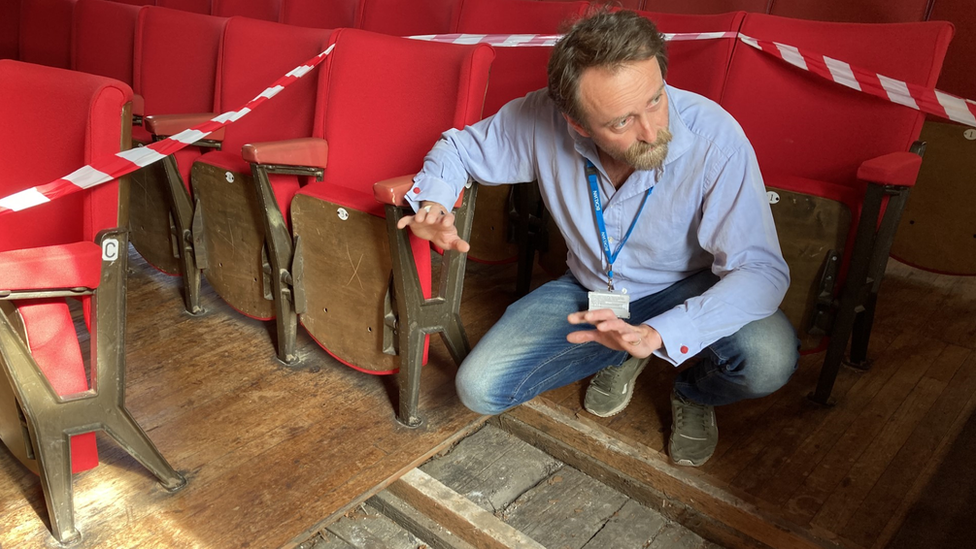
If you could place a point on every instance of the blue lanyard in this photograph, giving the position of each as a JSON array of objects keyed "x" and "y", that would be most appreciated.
[{"x": 591, "y": 176}]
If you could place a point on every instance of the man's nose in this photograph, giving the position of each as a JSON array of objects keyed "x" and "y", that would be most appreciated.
[{"x": 648, "y": 131}]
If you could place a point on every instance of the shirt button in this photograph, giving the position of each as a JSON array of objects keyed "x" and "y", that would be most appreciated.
[
  {"x": 416, "y": 190},
  {"x": 684, "y": 349}
]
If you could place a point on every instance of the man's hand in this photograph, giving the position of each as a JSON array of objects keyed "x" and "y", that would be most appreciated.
[
  {"x": 432, "y": 222},
  {"x": 640, "y": 341}
]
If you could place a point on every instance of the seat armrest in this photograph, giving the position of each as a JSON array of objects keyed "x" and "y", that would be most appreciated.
[
  {"x": 392, "y": 191},
  {"x": 76, "y": 265},
  {"x": 898, "y": 168},
  {"x": 309, "y": 151},
  {"x": 164, "y": 125}
]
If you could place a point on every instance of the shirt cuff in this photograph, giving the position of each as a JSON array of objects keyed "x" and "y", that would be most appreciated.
[
  {"x": 430, "y": 188},
  {"x": 679, "y": 334}
]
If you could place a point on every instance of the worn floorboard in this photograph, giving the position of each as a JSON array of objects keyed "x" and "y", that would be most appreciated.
[{"x": 275, "y": 453}]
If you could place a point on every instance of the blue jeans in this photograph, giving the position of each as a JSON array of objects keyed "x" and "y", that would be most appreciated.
[{"x": 526, "y": 352}]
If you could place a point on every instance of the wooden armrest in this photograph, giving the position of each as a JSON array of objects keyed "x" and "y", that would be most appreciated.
[
  {"x": 172, "y": 124},
  {"x": 898, "y": 168},
  {"x": 391, "y": 191},
  {"x": 308, "y": 151}
]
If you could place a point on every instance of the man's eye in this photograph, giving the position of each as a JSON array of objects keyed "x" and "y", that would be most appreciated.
[{"x": 621, "y": 123}]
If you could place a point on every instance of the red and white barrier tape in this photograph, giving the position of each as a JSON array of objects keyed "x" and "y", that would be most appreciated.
[
  {"x": 110, "y": 167},
  {"x": 102, "y": 170}
]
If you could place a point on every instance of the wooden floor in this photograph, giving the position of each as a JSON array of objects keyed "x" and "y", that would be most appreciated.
[
  {"x": 844, "y": 475},
  {"x": 273, "y": 453}
]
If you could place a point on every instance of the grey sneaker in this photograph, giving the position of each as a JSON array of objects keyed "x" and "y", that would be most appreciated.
[
  {"x": 694, "y": 432},
  {"x": 612, "y": 387}
]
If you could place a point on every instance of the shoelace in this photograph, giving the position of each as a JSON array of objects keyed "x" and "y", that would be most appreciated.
[
  {"x": 691, "y": 419},
  {"x": 606, "y": 378}
]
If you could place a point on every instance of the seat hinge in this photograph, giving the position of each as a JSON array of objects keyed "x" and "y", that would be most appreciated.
[
  {"x": 298, "y": 277},
  {"x": 391, "y": 336},
  {"x": 196, "y": 237},
  {"x": 823, "y": 316}
]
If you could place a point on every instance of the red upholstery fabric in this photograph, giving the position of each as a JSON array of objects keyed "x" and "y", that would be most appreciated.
[
  {"x": 176, "y": 60},
  {"x": 698, "y": 65},
  {"x": 702, "y": 7},
  {"x": 104, "y": 38},
  {"x": 861, "y": 11},
  {"x": 804, "y": 125},
  {"x": 255, "y": 9},
  {"x": 54, "y": 345},
  {"x": 45, "y": 32},
  {"x": 957, "y": 73},
  {"x": 75, "y": 265},
  {"x": 383, "y": 103},
  {"x": 195, "y": 6},
  {"x": 9, "y": 30},
  {"x": 27, "y": 144},
  {"x": 516, "y": 71},
  {"x": 253, "y": 55},
  {"x": 332, "y": 14},
  {"x": 406, "y": 17}
]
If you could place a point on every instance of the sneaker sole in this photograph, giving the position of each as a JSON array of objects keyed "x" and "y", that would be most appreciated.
[{"x": 627, "y": 396}]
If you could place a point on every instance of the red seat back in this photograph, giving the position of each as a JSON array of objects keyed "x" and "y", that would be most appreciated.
[
  {"x": 804, "y": 125},
  {"x": 85, "y": 109},
  {"x": 45, "y": 32},
  {"x": 376, "y": 110},
  {"x": 104, "y": 38},
  {"x": 861, "y": 11},
  {"x": 698, "y": 65},
  {"x": 195, "y": 6},
  {"x": 406, "y": 17},
  {"x": 176, "y": 56},
  {"x": 516, "y": 71},
  {"x": 254, "y": 54},
  {"x": 702, "y": 7},
  {"x": 9, "y": 30},
  {"x": 255, "y": 9},
  {"x": 332, "y": 14},
  {"x": 957, "y": 74}
]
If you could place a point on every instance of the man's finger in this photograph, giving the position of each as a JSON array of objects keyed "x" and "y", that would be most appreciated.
[{"x": 404, "y": 221}]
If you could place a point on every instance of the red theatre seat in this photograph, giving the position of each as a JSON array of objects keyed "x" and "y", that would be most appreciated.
[
  {"x": 255, "y": 9},
  {"x": 704, "y": 7},
  {"x": 334, "y": 273},
  {"x": 70, "y": 247},
  {"x": 104, "y": 38},
  {"x": 333, "y": 14},
  {"x": 833, "y": 160},
  {"x": 862, "y": 11},
  {"x": 175, "y": 72},
  {"x": 193, "y": 6},
  {"x": 406, "y": 17},
  {"x": 45, "y": 32},
  {"x": 229, "y": 230}
]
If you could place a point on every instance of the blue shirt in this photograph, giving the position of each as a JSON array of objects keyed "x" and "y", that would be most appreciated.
[{"x": 708, "y": 210}]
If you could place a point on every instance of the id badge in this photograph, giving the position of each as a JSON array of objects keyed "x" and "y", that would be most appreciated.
[{"x": 618, "y": 302}]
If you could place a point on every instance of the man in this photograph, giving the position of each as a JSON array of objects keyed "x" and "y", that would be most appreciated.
[{"x": 672, "y": 248}]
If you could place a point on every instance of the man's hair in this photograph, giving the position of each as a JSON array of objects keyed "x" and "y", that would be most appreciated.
[{"x": 607, "y": 40}]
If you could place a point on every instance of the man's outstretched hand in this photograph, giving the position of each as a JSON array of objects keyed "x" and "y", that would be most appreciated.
[
  {"x": 640, "y": 341},
  {"x": 432, "y": 222}
]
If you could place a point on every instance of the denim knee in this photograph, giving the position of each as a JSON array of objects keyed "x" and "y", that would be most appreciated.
[
  {"x": 770, "y": 359},
  {"x": 477, "y": 394}
]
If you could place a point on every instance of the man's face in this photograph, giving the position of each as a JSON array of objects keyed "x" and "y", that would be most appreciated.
[{"x": 626, "y": 113}]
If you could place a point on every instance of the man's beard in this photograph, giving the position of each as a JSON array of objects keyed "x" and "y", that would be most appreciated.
[{"x": 646, "y": 156}]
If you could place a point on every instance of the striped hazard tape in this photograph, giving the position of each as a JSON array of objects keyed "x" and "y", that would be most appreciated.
[{"x": 102, "y": 170}]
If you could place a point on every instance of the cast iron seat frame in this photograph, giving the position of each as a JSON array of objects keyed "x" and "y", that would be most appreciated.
[{"x": 49, "y": 419}]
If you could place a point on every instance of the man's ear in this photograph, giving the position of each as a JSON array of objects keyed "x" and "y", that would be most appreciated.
[{"x": 576, "y": 126}]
